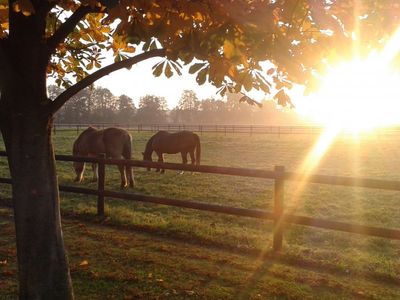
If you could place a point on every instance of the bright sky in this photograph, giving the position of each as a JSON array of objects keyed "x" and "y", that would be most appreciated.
[{"x": 140, "y": 81}]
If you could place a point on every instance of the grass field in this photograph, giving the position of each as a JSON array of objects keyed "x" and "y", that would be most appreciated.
[{"x": 345, "y": 256}]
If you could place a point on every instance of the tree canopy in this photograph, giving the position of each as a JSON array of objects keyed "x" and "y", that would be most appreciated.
[{"x": 224, "y": 40}]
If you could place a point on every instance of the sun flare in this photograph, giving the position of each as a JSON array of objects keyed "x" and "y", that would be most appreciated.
[
  {"x": 354, "y": 96},
  {"x": 358, "y": 95}
]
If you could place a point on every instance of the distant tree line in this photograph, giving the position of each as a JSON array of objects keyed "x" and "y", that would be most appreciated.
[{"x": 99, "y": 105}]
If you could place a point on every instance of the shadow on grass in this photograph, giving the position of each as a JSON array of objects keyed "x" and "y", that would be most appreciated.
[{"x": 268, "y": 257}]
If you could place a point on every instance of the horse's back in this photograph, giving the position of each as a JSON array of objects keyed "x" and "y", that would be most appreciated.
[
  {"x": 113, "y": 134},
  {"x": 117, "y": 142},
  {"x": 112, "y": 141},
  {"x": 174, "y": 142},
  {"x": 89, "y": 142}
]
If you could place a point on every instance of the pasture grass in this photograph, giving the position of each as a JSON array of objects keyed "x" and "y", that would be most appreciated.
[
  {"x": 344, "y": 256},
  {"x": 113, "y": 263}
]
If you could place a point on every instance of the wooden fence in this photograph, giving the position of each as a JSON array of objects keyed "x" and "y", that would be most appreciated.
[
  {"x": 224, "y": 129},
  {"x": 278, "y": 215}
]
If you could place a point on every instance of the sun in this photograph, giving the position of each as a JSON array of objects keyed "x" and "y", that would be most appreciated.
[
  {"x": 358, "y": 95},
  {"x": 354, "y": 96}
]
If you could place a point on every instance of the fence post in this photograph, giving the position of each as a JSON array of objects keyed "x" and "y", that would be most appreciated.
[
  {"x": 278, "y": 208},
  {"x": 100, "y": 185}
]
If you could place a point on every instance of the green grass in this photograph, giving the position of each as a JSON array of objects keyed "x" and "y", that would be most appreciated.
[
  {"x": 343, "y": 256},
  {"x": 110, "y": 263}
]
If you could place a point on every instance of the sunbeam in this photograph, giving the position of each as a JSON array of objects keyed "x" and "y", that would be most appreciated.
[{"x": 355, "y": 96}]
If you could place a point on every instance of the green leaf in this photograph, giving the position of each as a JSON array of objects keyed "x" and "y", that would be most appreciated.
[
  {"x": 168, "y": 71},
  {"x": 146, "y": 46},
  {"x": 283, "y": 99},
  {"x": 158, "y": 68},
  {"x": 176, "y": 67},
  {"x": 90, "y": 65},
  {"x": 248, "y": 82},
  {"x": 196, "y": 67},
  {"x": 202, "y": 76},
  {"x": 250, "y": 101},
  {"x": 153, "y": 45}
]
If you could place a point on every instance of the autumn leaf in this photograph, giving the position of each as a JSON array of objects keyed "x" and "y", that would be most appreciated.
[
  {"x": 283, "y": 99},
  {"x": 229, "y": 49},
  {"x": 196, "y": 67},
  {"x": 168, "y": 71},
  {"x": 24, "y": 6},
  {"x": 250, "y": 101},
  {"x": 202, "y": 76},
  {"x": 84, "y": 263},
  {"x": 158, "y": 68}
]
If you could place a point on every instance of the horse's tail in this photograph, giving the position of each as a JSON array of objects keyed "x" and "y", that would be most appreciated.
[
  {"x": 198, "y": 149},
  {"x": 127, "y": 148}
]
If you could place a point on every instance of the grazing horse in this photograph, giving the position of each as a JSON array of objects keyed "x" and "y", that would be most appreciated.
[
  {"x": 113, "y": 142},
  {"x": 164, "y": 142}
]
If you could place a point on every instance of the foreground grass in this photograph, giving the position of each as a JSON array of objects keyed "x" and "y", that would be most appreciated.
[
  {"x": 113, "y": 263},
  {"x": 345, "y": 258}
]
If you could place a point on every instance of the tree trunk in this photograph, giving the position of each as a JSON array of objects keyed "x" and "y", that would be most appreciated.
[{"x": 42, "y": 262}]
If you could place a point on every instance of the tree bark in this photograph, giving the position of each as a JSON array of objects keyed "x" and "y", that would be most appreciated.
[{"x": 42, "y": 262}]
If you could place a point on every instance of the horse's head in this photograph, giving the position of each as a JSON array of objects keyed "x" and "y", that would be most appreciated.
[{"x": 147, "y": 157}]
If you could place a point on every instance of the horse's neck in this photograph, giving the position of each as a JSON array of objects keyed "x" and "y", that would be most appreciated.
[{"x": 149, "y": 146}]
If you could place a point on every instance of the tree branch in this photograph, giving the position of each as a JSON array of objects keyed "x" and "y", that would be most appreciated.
[
  {"x": 67, "y": 27},
  {"x": 90, "y": 79}
]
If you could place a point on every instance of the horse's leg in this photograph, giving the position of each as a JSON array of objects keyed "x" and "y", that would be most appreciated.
[
  {"x": 129, "y": 174},
  {"x": 121, "y": 169},
  {"x": 191, "y": 152},
  {"x": 94, "y": 169},
  {"x": 79, "y": 168},
  {"x": 192, "y": 158},
  {"x": 161, "y": 160},
  {"x": 184, "y": 160}
]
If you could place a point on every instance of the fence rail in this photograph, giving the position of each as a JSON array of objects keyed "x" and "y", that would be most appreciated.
[
  {"x": 278, "y": 216},
  {"x": 225, "y": 129},
  {"x": 200, "y": 128}
]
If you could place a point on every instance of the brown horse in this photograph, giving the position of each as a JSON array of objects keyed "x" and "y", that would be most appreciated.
[
  {"x": 164, "y": 142},
  {"x": 113, "y": 142}
]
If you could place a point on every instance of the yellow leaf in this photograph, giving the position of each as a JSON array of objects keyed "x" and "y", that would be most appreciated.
[
  {"x": 130, "y": 49},
  {"x": 84, "y": 263},
  {"x": 229, "y": 49},
  {"x": 24, "y": 6},
  {"x": 198, "y": 16},
  {"x": 89, "y": 66},
  {"x": 232, "y": 72}
]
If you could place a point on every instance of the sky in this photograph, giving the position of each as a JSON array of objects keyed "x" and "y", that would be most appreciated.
[{"x": 140, "y": 81}]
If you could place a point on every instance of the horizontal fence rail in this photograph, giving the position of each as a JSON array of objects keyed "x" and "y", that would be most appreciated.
[
  {"x": 221, "y": 128},
  {"x": 278, "y": 175}
]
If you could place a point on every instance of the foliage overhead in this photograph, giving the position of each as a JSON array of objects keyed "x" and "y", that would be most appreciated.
[{"x": 222, "y": 41}]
